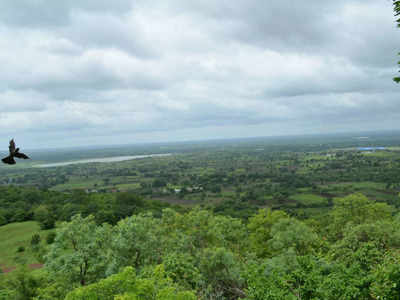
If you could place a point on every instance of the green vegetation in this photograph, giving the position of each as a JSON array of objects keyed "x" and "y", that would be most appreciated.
[
  {"x": 15, "y": 236},
  {"x": 351, "y": 253},
  {"x": 232, "y": 178},
  {"x": 310, "y": 221},
  {"x": 310, "y": 200}
]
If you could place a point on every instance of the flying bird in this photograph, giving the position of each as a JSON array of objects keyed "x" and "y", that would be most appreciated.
[{"x": 14, "y": 152}]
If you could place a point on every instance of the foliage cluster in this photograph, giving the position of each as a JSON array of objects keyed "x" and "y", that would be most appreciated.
[
  {"x": 46, "y": 207},
  {"x": 351, "y": 253},
  {"x": 234, "y": 183}
]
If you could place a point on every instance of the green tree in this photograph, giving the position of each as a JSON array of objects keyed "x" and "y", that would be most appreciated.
[
  {"x": 135, "y": 242},
  {"x": 127, "y": 286},
  {"x": 68, "y": 210},
  {"x": 356, "y": 209},
  {"x": 35, "y": 240},
  {"x": 159, "y": 182},
  {"x": 181, "y": 268},
  {"x": 3, "y": 219},
  {"x": 127, "y": 204},
  {"x": 22, "y": 284},
  {"x": 45, "y": 217},
  {"x": 221, "y": 273},
  {"x": 53, "y": 288},
  {"x": 386, "y": 278},
  {"x": 365, "y": 245},
  {"x": 259, "y": 227},
  {"x": 396, "y": 4},
  {"x": 294, "y": 277},
  {"x": 78, "y": 253},
  {"x": 50, "y": 238},
  {"x": 107, "y": 288},
  {"x": 289, "y": 233}
]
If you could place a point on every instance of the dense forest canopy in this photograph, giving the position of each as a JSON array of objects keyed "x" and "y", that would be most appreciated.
[{"x": 352, "y": 253}]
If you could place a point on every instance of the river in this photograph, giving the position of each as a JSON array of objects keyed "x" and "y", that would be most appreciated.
[{"x": 100, "y": 160}]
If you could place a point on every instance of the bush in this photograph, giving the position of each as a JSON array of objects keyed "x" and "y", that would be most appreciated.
[
  {"x": 21, "y": 249},
  {"x": 45, "y": 218},
  {"x": 35, "y": 240},
  {"x": 50, "y": 238}
]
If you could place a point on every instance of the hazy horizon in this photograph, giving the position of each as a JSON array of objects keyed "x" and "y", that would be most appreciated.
[{"x": 348, "y": 134}]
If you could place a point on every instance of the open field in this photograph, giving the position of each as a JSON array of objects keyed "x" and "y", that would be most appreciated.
[
  {"x": 290, "y": 174},
  {"x": 17, "y": 235},
  {"x": 310, "y": 200}
]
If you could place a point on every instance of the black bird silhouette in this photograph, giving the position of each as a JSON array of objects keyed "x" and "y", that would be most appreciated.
[{"x": 13, "y": 153}]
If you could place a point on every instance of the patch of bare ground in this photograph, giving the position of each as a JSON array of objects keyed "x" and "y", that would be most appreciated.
[
  {"x": 394, "y": 193},
  {"x": 173, "y": 200},
  {"x": 35, "y": 266},
  {"x": 6, "y": 269}
]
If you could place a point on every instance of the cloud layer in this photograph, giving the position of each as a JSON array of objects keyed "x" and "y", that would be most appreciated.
[{"x": 102, "y": 72}]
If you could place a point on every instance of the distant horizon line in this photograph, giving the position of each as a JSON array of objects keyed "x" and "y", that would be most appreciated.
[{"x": 100, "y": 146}]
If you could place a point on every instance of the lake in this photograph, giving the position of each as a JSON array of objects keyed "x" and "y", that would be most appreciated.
[{"x": 100, "y": 160}]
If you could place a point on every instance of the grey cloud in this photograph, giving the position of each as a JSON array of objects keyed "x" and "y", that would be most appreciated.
[
  {"x": 48, "y": 14},
  {"x": 75, "y": 76},
  {"x": 269, "y": 23},
  {"x": 217, "y": 68},
  {"x": 348, "y": 28},
  {"x": 21, "y": 101},
  {"x": 365, "y": 80},
  {"x": 108, "y": 31}
]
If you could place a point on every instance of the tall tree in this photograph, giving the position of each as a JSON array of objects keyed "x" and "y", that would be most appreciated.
[{"x": 78, "y": 253}]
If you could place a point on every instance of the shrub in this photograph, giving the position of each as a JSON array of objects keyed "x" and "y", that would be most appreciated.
[
  {"x": 35, "y": 240},
  {"x": 45, "y": 218},
  {"x": 50, "y": 238}
]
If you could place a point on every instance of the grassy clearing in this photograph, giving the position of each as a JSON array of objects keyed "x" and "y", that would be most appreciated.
[
  {"x": 310, "y": 200},
  {"x": 383, "y": 154},
  {"x": 316, "y": 157},
  {"x": 355, "y": 186},
  {"x": 15, "y": 235},
  {"x": 373, "y": 190},
  {"x": 314, "y": 212},
  {"x": 369, "y": 185},
  {"x": 381, "y": 196},
  {"x": 82, "y": 184},
  {"x": 229, "y": 193},
  {"x": 128, "y": 186}
]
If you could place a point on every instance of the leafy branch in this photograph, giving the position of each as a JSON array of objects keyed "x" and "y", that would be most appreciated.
[{"x": 396, "y": 4}]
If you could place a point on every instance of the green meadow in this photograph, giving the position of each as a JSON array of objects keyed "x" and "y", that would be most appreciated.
[{"x": 14, "y": 236}]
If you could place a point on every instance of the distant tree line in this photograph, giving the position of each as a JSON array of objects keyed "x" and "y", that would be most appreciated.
[{"x": 18, "y": 204}]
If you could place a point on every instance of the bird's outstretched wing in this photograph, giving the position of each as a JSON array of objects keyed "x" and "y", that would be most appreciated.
[
  {"x": 21, "y": 155},
  {"x": 12, "y": 146},
  {"x": 9, "y": 160}
]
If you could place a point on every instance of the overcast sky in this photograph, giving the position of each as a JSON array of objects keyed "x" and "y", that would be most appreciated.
[{"x": 103, "y": 72}]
